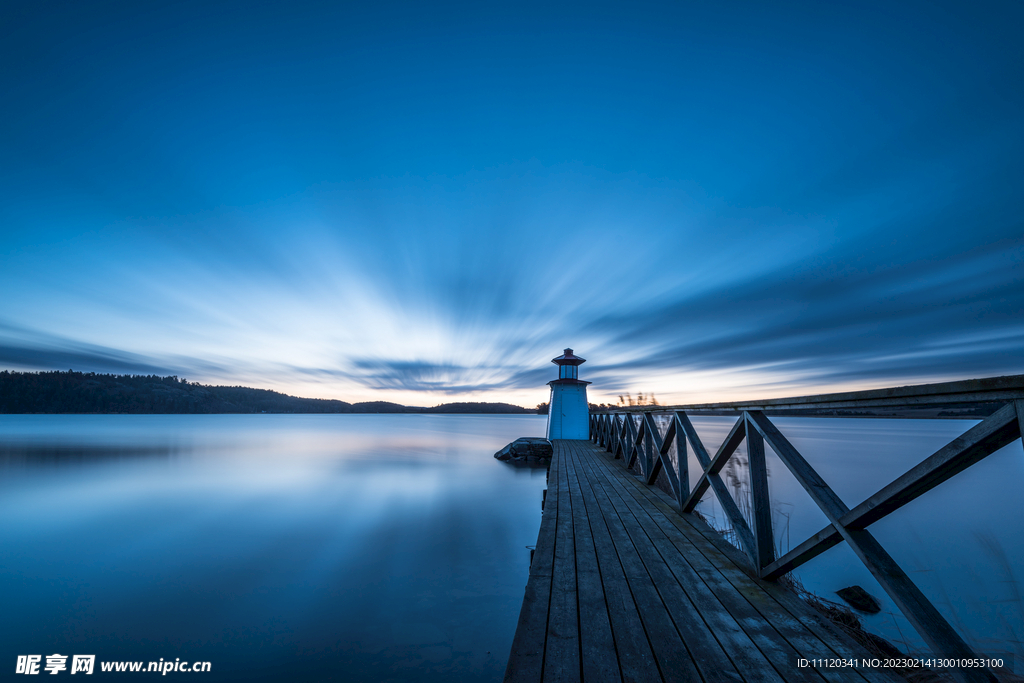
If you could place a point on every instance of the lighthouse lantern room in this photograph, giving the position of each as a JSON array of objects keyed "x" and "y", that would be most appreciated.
[{"x": 568, "y": 411}]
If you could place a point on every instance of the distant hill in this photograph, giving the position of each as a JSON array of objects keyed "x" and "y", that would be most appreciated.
[
  {"x": 477, "y": 408},
  {"x": 79, "y": 392},
  {"x": 386, "y": 407}
]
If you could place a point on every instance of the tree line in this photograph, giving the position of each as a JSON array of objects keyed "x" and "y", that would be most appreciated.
[{"x": 88, "y": 392}]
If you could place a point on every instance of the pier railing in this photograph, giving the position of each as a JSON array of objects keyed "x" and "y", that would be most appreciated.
[{"x": 631, "y": 433}]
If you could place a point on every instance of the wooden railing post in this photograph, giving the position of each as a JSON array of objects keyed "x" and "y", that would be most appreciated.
[
  {"x": 761, "y": 513},
  {"x": 651, "y": 435},
  {"x": 682, "y": 464},
  {"x": 653, "y": 450},
  {"x": 622, "y": 448},
  {"x": 636, "y": 436}
]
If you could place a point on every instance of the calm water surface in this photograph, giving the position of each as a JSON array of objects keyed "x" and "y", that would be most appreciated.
[
  {"x": 277, "y": 547},
  {"x": 394, "y": 547}
]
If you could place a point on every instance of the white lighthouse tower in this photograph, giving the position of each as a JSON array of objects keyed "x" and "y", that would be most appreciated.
[{"x": 568, "y": 411}]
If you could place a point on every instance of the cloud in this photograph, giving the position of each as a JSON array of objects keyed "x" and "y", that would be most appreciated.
[
  {"x": 27, "y": 349},
  {"x": 423, "y": 376},
  {"x": 83, "y": 357},
  {"x": 955, "y": 316}
]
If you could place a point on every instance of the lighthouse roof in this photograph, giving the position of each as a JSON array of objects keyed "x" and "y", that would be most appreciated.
[{"x": 568, "y": 359}]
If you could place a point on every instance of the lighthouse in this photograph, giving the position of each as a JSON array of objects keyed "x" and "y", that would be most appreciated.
[{"x": 568, "y": 411}]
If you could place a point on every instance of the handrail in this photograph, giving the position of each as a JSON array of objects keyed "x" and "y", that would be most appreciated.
[
  {"x": 643, "y": 445},
  {"x": 970, "y": 399}
]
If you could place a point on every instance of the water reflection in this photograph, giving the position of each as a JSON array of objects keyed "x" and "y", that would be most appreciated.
[
  {"x": 277, "y": 547},
  {"x": 18, "y": 456}
]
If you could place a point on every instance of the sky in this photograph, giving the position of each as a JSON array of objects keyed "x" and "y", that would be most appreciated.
[{"x": 426, "y": 202}]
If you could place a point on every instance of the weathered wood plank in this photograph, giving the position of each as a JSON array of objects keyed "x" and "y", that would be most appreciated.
[
  {"x": 806, "y": 631},
  {"x": 725, "y": 568},
  {"x": 623, "y": 588},
  {"x": 675, "y": 661},
  {"x": 635, "y": 657},
  {"x": 544, "y": 551},
  {"x": 599, "y": 662},
  {"x": 526, "y": 659},
  {"x": 779, "y": 637},
  {"x": 716, "y": 620},
  {"x": 562, "y": 649},
  {"x": 810, "y": 633},
  {"x": 690, "y": 619}
]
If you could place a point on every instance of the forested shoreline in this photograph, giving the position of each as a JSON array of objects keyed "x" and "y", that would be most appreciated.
[{"x": 87, "y": 392}]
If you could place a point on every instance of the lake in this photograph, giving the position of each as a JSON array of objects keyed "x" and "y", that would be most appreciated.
[
  {"x": 276, "y": 547},
  {"x": 394, "y": 547}
]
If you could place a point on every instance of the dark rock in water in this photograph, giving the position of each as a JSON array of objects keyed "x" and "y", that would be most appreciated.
[
  {"x": 527, "y": 449},
  {"x": 532, "y": 447},
  {"x": 860, "y": 599},
  {"x": 505, "y": 453}
]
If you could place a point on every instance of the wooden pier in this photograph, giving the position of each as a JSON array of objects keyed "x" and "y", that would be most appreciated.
[{"x": 623, "y": 587}]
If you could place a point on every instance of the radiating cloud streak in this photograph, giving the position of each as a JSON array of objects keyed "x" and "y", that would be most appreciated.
[{"x": 367, "y": 204}]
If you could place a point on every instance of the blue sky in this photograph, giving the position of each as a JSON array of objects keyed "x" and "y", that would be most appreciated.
[{"x": 426, "y": 202}]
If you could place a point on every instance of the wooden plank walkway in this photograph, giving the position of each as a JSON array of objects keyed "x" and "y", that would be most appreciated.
[{"x": 623, "y": 588}]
